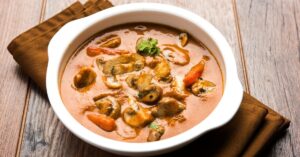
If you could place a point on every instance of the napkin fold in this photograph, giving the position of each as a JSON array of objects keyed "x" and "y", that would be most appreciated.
[{"x": 253, "y": 127}]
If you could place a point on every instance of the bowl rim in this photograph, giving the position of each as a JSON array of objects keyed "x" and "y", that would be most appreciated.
[{"x": 233, "y": 91}]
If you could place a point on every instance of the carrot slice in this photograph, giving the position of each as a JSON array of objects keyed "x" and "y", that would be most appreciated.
[
  {"x": 104, "y": 122},
  {"x": 193, "y": 75},
  {"x": 93, "y": 51}
]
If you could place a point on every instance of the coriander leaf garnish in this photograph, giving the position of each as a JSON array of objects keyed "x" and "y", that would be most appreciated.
[{"x": 147, "y": 47}]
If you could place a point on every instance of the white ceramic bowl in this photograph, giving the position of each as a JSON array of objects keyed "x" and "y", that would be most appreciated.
[{"x": 70, "y": 36}]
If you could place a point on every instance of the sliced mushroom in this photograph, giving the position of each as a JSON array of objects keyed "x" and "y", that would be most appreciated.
[
  {"x": 124, "y": 64},
  {"x": 150, "y": 94},
  {"x": 115, "y": 113},
  {"x": 131, "y": 80},
  {"x": 162, "y": 71},
  {"x": 143, "y": 81},
  {"x": 168, "y": 107},
  {"x": 183, "y": 37},
  {"x": 112, "y": 42},
  {"x": 178, "y": 90},
  {"x": 106, "y": 38},
  {"x": 84, "y": 78},
  {"x": 112, "y": 82},
  {"x": 139, "y": 82},
  {"x": 105, "y": 94},
  {"x": 121, "y": 68},
  {"x": 176, "y": 54},
  {"x": 155, "y": 133},
  {"x": 109, "y": 106},
  {"x": 136, "y": 116},
  {"x": 104, "y": 105},
  {"x": 203, "y": 87},
  {"x": 109, "y": 64}
]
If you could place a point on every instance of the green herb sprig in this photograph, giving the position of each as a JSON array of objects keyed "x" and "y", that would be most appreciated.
[{"x": 147, "y": 47}]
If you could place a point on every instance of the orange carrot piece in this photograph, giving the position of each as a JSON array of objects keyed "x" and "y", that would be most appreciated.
[
  {"x": 193, "y": 75},
  {"x": 104, "y": 122},
  {"x": 95, "y": 50}
]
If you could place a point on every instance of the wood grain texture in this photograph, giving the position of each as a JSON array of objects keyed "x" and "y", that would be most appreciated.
[
  {"x": 19, "y": 15},
  {"x": 270, "y": 32},
  {"x": 44, "y": 135}
]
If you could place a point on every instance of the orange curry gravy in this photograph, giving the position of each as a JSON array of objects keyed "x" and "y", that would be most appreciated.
[{"x": 197, "y": 107}]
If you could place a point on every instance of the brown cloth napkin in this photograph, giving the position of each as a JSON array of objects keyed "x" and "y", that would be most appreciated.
[{"x": 253, "y": 127}]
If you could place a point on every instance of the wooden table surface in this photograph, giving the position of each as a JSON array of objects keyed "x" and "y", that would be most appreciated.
[{"x": 264, "y": 35}]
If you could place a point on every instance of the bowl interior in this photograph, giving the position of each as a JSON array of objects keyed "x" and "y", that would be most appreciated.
[{"x": 73, "y": 34}]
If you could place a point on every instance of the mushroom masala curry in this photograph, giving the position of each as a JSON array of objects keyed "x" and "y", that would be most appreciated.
[{"x": 141, "y": 82}]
